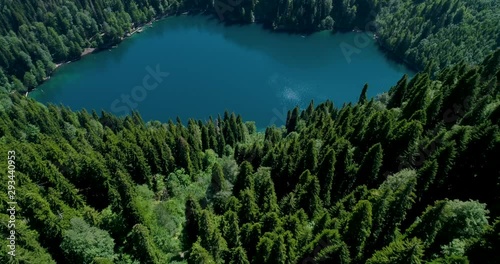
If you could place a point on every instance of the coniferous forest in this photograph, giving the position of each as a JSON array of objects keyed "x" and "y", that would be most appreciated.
[
  {"x": 411, "y": 176},
  {"x": 37, "y": 35}
]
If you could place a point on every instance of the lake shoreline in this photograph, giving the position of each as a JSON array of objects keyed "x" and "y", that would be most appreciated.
[
  {"x": 88, "y": 51},
  {"x": 139, "y": 28},
  {"x": 213, "y": 67}
]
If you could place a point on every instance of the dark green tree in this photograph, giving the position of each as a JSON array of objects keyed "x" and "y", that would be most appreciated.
[
  {"x": 362, "y": 96},
  {"x": 399, "y": 252},
  {"x": 368, "y": 172}
]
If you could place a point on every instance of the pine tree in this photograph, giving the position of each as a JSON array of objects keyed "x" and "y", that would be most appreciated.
[
  {"x": 211, "y": 237},
  {"x": 267, "y": 200},
  {"x": 345, "y": 169},
  {"x": 292, "y": 120},
  {"x": 182, "y": 155},
  {"x": 127, "y": 197},
  {"x": 402, "y": 185},
  {"x": 327, "y": 247},
  {"x": 218, "y": 182},
  {"x": 142, "y": 246},
  {"x": 264, "y": 248},
  {"x": 399, "y": 252},
  {"x": 230, "y": 229},
  {"x": 368, "y": 172},
  {"x": 308, "y": 113},
  {"x": 418, "y": 101},
  {"x": 238, "y": 256},
  {"x": 192, "y": 217},
  {"x": 326, "y": 174},
  {"x": 426, "y": 176},
  {"x": 270, "y": 222},
  {"x": 280, "y": 253},
  {"x": 29, "y": 80},
  {"x": 309, "y": 158},
  {"x": 249, "y": 211},
  {"x": 308, "y": 191},
  {"x": 459, "y": 96},
  {"x": 244, "y": 179},
  {"x": 199, "y": 255},
  {"x": 250, "y": 235},
  {"x": 397, "y": 93},
  {"x": 362, "y": 96},
  {"x": 359, "y": 228}
]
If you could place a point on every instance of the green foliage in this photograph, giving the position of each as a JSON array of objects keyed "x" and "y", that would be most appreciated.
[
  {"x": 238, "y": 256},
  {"x": 244, "y": 180},
  {"x": 451, "y": 260},
  {"x": 346, "y": 184},
  {"x": 368, "y": 172},
  {"x": 359, "y": 228},
  {"x": 449, "y": 227},
  {"x": 83, "y": 243},
  {"x": 327, "y": 247},
  {"x": 142, "y": 246},
  {"x": 485, "y": 249},
  {"x": 399, "y": 252},
  {"x": 199, "y": 255}
]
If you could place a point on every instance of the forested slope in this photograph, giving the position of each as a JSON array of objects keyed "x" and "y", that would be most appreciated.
[
  {"x": 408, "y": 178},
  {"x": 444, "y": 32},
  {"x": 35, "y": 35}
]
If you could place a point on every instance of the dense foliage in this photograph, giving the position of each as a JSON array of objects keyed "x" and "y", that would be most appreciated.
[
  {"x": 440, "y": 32},
  {"x": 408, "y": 178},
  {"x": 36, "y": 35}
]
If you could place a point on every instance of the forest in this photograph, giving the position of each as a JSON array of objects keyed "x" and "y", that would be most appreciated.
[
  {"x": 37, "y": 35},
  {"x": 410, "y": 176}
]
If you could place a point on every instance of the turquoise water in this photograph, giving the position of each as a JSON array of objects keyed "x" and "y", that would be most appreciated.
[{"x": 194, "y": 67}]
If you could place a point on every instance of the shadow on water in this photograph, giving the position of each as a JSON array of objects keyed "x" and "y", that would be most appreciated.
[{"x": 287, "y": 49}]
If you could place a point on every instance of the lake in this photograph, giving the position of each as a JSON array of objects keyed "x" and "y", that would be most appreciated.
[{"x": 195, "y": 67}]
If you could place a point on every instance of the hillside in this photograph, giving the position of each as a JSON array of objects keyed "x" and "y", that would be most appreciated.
[{"x": 411, "y": 177}]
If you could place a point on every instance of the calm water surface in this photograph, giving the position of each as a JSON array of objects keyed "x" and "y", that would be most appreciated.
[{"x": 212, "y": 68}]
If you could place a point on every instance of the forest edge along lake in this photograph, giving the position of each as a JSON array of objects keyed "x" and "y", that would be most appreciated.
[{"x": 196, "y": 67}]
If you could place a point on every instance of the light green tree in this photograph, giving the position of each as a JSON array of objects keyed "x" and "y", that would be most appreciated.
[{"x": 82, "y": 243}]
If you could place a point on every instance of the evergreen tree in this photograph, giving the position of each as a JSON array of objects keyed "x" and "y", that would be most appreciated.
[
  {"x": 244, "y": 179},
  {"x": 238, "y": 256},
  {"x": 142, "y": 246},
  {"x": 399, "y": 251},
  {"x": 362, "y": 96},
  {"x": 250, "y": 235},
  {"x": 218, "y": 182},
  {"x": 326, "y": 174},
  {"x": 397, "y": 93},
  {"x": 182, "y": 155},
  {"x": 308, "y": 193},
  {"x": 292, "y": 120},
  {"x": 327, "y": 247},
  {"x": 249, "y": 211},
  {"x": 359, "y": 228},
  {"x": 230, "y": 229},
  {"x": 199, "y": 255},
  {"x": 402, "y": 185},
  {"x": 368, "y": 172},
  {"x": 211, "y": 237},
  {"x": 192, "y": 213}
]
